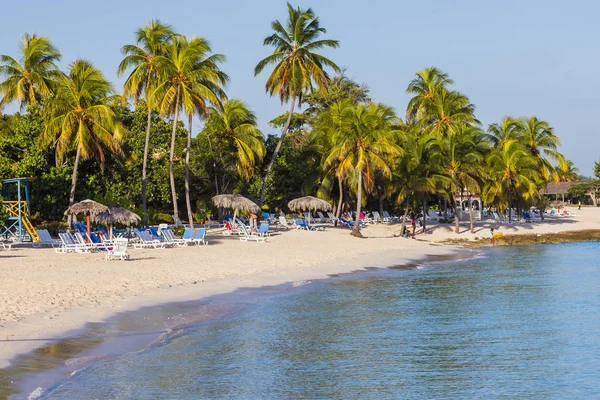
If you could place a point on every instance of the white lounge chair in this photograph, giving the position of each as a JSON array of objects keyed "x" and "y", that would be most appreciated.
[
  {"x": 5, "y": 245},
  {"x": 247, "y": 236},
  {"x": 46, "y": 239},
  {"x": 145, "y": 241},
  {"x": 171, "y": 239},
  {"x": 117, "y": 250},
  {"x": 283, "y": 223}
]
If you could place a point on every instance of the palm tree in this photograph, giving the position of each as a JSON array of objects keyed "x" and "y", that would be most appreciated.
[
  {"x": 542, "y": 143},
  {"x": 235, "y": 128},
  {"x": 463, "y": 154},
  {"x": 81, "y": 119},
  {"x": 33, "y": 76},
  {"x": 426, "y": 85},
  {"x": 447, "y": 112},
  {"x": 297, "y": 67},
  {"x": 508, "y": 129},
  {"x": 511, "y": 169},
  {"x": 152, "y": 41},
  {"x": 415, "y": 171},
  {"x": 569, "y": 173},
  {"x": 190, "y": 80},
  {"x": 362, "y": 145}
]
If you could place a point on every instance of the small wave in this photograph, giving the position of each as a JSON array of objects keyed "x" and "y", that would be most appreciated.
[
  {"x": 300, "y": 283},
  {"x": 36, "y": 394}
]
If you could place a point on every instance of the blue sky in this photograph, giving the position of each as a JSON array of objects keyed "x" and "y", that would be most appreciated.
[{"x": 516, "y": 58}]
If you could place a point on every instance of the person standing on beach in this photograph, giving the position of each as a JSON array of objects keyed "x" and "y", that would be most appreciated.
[
  {"x": 579, "y": 208},
  {"x": 492, "y": 238},
  {"x": 413, "y": 222}
]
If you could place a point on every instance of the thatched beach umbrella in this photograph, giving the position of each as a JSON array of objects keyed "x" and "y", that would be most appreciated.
[
  {"x": 88, "y": 208},
  {"x": 309, "y": 203},
  {"x": 117, "y": 215},
  {"x": 235, "y": 202}
]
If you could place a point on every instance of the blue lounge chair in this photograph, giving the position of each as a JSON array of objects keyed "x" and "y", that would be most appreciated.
[
  {"x": 199, "y": 236},
  {"x": 302, "y": 224},
  {"x": 263, "y": 229}
]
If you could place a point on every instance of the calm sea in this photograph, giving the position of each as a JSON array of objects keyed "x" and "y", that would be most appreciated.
[{"x": 519, "y": 322}]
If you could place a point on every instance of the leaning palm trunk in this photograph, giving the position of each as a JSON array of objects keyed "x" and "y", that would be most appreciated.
[
  {"x": 74, "y": 182},
  {"x": 171, "y": 156},
  {"x": 356, "y": 230},
  {"x": 338, "y": 212},
  {"x": 270, "y": 166},
  {"x": 403, "y": 226},
  {"x": 145, "y": 166},
  {"x": 187, "y": 173}
]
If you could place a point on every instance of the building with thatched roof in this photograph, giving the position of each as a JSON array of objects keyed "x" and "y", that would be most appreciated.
[{"x": 557, "y": 188}]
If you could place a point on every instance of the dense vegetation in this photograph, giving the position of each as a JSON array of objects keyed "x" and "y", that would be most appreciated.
[{"x": 78, "y": 137}]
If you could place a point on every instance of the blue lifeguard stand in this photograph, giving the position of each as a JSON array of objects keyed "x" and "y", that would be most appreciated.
[{"x": 15, "y": 193}]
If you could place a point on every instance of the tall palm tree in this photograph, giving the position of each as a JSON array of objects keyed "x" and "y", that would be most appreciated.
[
  {"x": 415, "y": 171},
  {"x": 190, "y": 80},
  {"x": 80, "y": 118},
  {"x": 541, "y": 141},
  {"x": 463, "y": 153},
  {"x": 297, "y": 67},
  {"x": 509, "y": 128},
  {"x": 362, "y": 146},
  {"x": 512, "y": 170},
  {"x": 152, "y": 41},
  {"x": 33, "y": 75},
  {"x": 235, "y": 128},
  {"x": 426, "y": 85},
  {"x": 447, "y": 112},
  {"x": 569, "y": 173}
]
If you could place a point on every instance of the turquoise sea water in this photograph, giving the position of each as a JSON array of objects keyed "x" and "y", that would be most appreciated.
[{"x": 520, "y": 322}]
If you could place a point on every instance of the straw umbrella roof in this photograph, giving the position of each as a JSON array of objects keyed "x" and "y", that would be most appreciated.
[
  {"x": 117, "y": 215},
  {"x": 558, "y": 187},
  {"x": 308, "y": 203},
  {"x": 86, "y": 207},
  {"x": 235, "y": 202}
]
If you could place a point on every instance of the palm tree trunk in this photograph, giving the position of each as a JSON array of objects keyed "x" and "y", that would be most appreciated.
[
  {"x": 424, "y": 213},
  {"x": 509, "y": 213},
  {"x": 74, "y": 182},
  {"x": 272, "y": 161},
  {"x": 188, "y": 203},
  {"x": 456, "y": 219},
  {"x": 339, "y": 209},
  {"x": 356, "y": 230},
  {"x": 471, "y": 213},
  {"x": 171, "y": 155},
  {"x": 145, "y": 167},
  {"x": 403, "y": 226}
]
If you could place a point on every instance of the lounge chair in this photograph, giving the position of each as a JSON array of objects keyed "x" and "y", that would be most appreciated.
[
  {"x": 302, "y": 224},
  {"x": 332, "y": 217},
  {"x": 72, "y": 243},
  {"x": 376, "y": 217},
  {"x": 199, "y": 236},
  {"x": 432, "y": 215},
  {"x": 145, "y": 240},
  {"x": 5, "y": 245},
  {"x": 283, "y": 222},
  {"x": 247, "y": 236},
  {"x": 117, "y": 250},
  {"x": 171, "y": 239},
  {"x": 350, "y": 224},
  {"x": 188, "y": 236},
  {"x": 263, "y": 229},
  {"x": 46, "y": 239}
]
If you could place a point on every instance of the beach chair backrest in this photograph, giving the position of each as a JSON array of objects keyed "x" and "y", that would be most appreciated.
[
  {"x": 188, "y": 234},
  {"x": 283, "y": 221},
  {"x": 120, "y": 247},
  {"x": 200, "y": 233},
  {"x": 300, "y": 222},
  {"x": 264, "y": 228}
]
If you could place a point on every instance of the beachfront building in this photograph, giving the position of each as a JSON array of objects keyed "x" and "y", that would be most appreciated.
[
  {"x": 556, "y": 189},
  {"x": 462, "y": 201}
]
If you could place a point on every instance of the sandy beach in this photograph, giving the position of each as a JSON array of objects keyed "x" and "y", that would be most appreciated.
[{"x": 44, "y": 294}]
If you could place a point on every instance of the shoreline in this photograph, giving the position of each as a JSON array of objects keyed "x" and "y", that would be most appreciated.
[
  {"x": 175, "y": 318},
  {"x": 39, "y": 329},
  {"x": 48, "y": 295}
]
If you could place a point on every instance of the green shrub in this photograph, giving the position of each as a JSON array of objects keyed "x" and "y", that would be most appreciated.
[
  {"x": 179, "y": 231},
  {"x": 163, "y": 217}
]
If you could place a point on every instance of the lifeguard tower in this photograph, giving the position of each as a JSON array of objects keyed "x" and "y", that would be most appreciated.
[{"x": 15, "y": 193}]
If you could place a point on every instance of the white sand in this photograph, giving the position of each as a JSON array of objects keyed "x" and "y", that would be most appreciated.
[{"x": 44, "y": 294}]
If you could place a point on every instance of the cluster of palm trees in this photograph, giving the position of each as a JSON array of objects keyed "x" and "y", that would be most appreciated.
[{"x": 437, "y": 148}]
